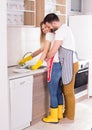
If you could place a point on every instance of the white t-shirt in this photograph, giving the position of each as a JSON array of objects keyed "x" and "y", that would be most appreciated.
[
  {"x": 50, "y": 37},
  {"x": 64, "y": 33}
]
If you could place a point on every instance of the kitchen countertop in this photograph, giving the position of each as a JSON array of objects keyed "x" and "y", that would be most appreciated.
[{"x": 12, "y": 74}]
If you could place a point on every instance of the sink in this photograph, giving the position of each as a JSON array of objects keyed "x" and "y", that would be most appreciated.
[
  {"x": 42, "y": 67},
  {"x": 21, "y": 69},
  {"x": 18, "y": 70},
  {"x": 24, "y": 69}
]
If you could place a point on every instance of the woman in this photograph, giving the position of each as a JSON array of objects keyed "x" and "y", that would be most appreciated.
[
  {"x": 54, "y": 76},
  {"x": 44, "y": 30}
]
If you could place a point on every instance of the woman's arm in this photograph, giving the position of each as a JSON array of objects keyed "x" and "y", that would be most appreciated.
[
  {"x": 30, "y": 57},
  {"x": 46, "y": 50},
  {"x": 43, "y": 56},
  {"x": 37, "y": 52}
]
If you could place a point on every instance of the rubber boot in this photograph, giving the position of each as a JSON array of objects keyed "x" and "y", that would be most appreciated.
[
  {"x": 53, "y": 117},
  {"x": 60, "y": 112}
]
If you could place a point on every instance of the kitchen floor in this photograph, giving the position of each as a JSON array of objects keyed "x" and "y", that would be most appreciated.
[{"x": 83, "y": 119}]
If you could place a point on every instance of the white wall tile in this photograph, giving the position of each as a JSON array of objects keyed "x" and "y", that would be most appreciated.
[{"x": 20, "y": 41}]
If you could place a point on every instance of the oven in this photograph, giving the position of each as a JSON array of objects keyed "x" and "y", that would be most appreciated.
[{"x": 81, "y": 80}]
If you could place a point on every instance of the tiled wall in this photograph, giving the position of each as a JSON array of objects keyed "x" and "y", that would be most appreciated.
[
  {"x": 14, "y": 16},
  {"x": 20, "y": 41}
]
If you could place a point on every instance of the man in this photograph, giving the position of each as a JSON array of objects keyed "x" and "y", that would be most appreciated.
[{"x": 65, "y": 45}]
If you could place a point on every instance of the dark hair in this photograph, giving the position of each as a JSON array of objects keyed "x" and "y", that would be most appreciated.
[{"x": 50, "y": 18}]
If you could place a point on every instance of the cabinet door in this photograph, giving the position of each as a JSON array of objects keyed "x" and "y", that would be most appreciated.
[
  {"x": 40, "y": 6},
  {"x": 50, "y": 6},
  {"x": 40, "y": 97},
  {"x": 21, "y": 102},
  {"x": 21, "y": 12}
]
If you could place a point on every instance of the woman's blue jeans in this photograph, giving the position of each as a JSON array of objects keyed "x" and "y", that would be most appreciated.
[{"x": 56, "y": 97}]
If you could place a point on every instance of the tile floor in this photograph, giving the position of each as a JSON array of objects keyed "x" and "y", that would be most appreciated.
[{"x": 83, "y": 119}]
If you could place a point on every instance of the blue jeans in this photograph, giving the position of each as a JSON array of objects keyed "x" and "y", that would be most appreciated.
[{"x": 55, "y": 90}]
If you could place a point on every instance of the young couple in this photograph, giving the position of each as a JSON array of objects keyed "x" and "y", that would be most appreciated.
[{"x": 59, "y": 52}]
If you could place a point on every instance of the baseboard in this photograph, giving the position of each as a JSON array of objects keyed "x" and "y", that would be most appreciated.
[{"x": 81, "y": 96}]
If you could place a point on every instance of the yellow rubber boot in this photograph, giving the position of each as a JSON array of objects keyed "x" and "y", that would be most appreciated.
[
  {"x": 53, "y": 117},
  {"x": 22, "y": 61},
  {"x": 37, "y": 65},
  {"x": 60, "y": 112}
]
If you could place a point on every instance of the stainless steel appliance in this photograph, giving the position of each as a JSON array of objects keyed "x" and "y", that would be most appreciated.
[{"x": 81, "y": 80}]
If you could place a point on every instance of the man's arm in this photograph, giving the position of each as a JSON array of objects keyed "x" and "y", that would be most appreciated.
[{"x": 54, "y": 49}]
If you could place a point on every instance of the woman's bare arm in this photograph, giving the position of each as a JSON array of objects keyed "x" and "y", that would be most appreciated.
[
  {"x": 37, "y": 52},
  {"x": 46, "y": 50}
]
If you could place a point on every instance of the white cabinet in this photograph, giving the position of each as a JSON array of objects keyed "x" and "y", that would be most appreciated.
[
  {"x": 87, "y": 6},
  {"x": 83, "y": 38},
  {"x": 21, "y": 102}
]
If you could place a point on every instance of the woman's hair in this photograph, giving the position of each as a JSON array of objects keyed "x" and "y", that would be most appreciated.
[{"x": 42, "y": 35}]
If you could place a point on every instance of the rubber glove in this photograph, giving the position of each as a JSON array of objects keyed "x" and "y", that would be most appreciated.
[
  {"x": 37, "y": 65},
  {"x": 22, "y": 61}
]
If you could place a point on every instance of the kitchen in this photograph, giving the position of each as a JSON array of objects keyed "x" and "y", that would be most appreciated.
[{"x": 14, "y": 56}]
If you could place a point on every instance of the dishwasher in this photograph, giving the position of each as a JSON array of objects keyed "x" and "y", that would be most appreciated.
[{"x": 21, "y": 102}]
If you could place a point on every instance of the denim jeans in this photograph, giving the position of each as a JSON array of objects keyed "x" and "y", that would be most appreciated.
[{"x": 55, "y": 90}]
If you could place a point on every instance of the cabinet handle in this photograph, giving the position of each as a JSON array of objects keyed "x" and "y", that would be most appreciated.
[{"x": 81, "y": 71}]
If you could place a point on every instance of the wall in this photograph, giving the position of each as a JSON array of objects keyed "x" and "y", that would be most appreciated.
[
  {"x": 82, "y": 29},
  {"x": 4, "y": 97},
  {"x": 20, "y": 41},
  {"x": 87, "y": 6}
]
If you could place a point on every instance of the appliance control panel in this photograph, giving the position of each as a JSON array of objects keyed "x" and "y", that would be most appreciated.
[{"x": 83, "y": 64}]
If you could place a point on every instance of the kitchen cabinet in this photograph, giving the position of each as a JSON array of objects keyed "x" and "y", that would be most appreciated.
[
  {"x": 21, "y": 102},
  {"x": 40, "y": 97},
  {"x": 82, "y": 33},
  {"x": 50, "y": 6},
  {"x": 21, "y": 12},
  {"x": 87, "y": 7},
  {"x": 76, "y": 5}
]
